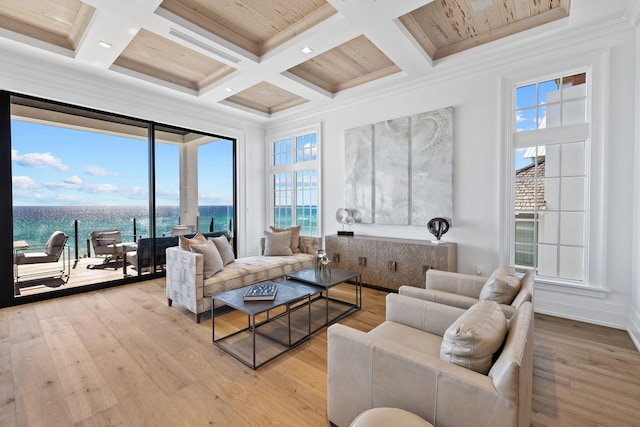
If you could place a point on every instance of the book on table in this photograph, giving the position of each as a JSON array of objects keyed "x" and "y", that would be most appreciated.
[{"x": 265, "y": 291}]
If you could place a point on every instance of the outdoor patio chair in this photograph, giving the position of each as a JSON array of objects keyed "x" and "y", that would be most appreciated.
[
  {"x": 47, "y": 254},
  {"x": 109, "y": 244}
]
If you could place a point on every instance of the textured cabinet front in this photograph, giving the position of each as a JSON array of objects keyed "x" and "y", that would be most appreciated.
[{"x": 390, "y": 263}]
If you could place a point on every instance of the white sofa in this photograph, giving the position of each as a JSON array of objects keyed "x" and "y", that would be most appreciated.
[
  {"x": 463, "y": 290},
  {"x": 398, "y": 364},
  {"x": 187, "y": 286}
]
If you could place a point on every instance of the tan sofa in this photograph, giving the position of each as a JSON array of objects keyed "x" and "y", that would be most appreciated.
[
  {"x": 398, "y": 364},
  {"x": 187, "y": 286},
  {"x": 463, "y": 290}
]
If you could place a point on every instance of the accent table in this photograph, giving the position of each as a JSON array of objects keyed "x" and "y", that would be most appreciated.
[
  {"x": 297, "y": 294},
  {"x": 327, "y": 280},
  {"x": 290, "y": 296}
]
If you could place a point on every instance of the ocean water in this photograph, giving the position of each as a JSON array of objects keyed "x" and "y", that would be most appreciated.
[{"x": 34, "y": 224}]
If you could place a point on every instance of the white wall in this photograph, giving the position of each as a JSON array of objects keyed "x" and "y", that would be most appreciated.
[
  {"x": 479, "y": 159},
  {"x": 634, "y": 313}
]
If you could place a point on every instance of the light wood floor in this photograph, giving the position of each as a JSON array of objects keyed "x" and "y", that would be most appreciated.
[
  {"x": 84, "y": 271},
  {"x": 120, "y": 356}
]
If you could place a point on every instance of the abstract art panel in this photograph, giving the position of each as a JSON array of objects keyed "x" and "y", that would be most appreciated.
[
  {"x": 359, "y": 172},
  {"x": 432, "y": 166},
  {"x": 401, "y": 171},
  {"x": 391, "y": 179}
]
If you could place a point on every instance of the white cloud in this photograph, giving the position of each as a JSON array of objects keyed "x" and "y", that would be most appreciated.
[
  {"x": 99, "y": 188},
  {"x": 213, "y": 199},
  {"x": 73, "y": 180},
  {"x": 38, "y": 160},
  {"x": 59, "y": 185},
  {"x": 136, "y": 193},
  {"x": 23, "y": 182},
  {"x": 97, "y": 171}
]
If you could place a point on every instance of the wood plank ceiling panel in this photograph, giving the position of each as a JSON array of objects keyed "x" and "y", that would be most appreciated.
[
  {"x": 445, "y": 27},
  {"x": 158, "y": 57},
  {"x": 257, "y": 26},
  {"x": 352, "y": 63},
  {"x": 61, "y": 23},
  {"x": 267, "y": 98}
]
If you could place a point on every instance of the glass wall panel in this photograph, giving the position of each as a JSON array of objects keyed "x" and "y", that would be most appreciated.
[
  {"x": 96, "y": 196},
  {"x": 83, "y": 174},
  {"x": 215, "y": 184}
]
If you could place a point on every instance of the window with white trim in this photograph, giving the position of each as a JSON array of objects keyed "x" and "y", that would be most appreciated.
[
  {"x": 293, "y": 179},
  {"x": 550, "y": 179}
]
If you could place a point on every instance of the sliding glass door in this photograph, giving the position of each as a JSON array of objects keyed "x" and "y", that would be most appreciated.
[{"x": 91, "y": 191}]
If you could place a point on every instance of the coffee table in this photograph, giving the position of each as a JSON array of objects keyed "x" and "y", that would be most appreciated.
[
  {"x": 275, "y": 338},
  {"x": 326, "y": 280}
]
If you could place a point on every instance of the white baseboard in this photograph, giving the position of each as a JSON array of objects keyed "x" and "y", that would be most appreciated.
[
  {"x": 633, "y": 327},
  {"x": 584, "y": 309}
]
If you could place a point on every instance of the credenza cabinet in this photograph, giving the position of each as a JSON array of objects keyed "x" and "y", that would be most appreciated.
[{"x": 389, "y": 263}]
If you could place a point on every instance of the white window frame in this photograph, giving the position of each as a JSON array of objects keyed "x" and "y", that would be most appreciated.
[
  {"x": 595, "y": 65},
  {"x": 294, "y": 167}
]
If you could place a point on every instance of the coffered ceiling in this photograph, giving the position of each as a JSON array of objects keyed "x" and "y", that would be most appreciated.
[{"x": 269, "y": 57}]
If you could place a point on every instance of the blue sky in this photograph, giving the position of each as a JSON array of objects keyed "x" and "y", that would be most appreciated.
[
  {"x": 61, "y": 166},
  {"x": 531, "y": 112}
]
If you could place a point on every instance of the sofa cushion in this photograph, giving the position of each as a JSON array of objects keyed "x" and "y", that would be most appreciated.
[
  {"x": 502, "y": 286},
  {"x": 185, "y": 242},
  {"x": 253, "y": 269},
  {"x": 277, "y": 244},
  {"x": 423, "y": 342},
  {"x": 475, "y": 336},
  {"x": 224, "y": 247},
  {"x": 211, "y": 257},
  {"x": 295, "y": 237}
]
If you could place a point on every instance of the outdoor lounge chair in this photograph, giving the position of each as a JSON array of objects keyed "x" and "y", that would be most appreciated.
[
  {"x": 49, "y": 253},
  {"x": 108, "y": 243}
]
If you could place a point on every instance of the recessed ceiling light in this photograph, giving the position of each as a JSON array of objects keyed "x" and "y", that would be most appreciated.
[
  {"x": 307, "y": 49},
  {"x": 104, "y": 44},
  {"x": 228, "y": 89}
]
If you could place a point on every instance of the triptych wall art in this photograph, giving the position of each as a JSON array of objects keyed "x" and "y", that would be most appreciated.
[{"x": 401, "y": 171}]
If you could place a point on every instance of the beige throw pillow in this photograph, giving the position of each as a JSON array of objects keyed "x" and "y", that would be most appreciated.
[
  {"x": 502, "y": 286},
  {"x": 212, "y": 258},
  {"x": 225, "y": 249},
  {"x": 198, "y": 239},
  {"x": 475, "y": 336},
  {"x": 277, "y": 244},
  {"x": 295, "y": 237}
]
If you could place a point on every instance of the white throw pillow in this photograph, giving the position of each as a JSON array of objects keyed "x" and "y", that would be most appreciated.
[
  {"x": 212, "y": 259},
  {"x": 225, "y": 249},
  {"x": 502, "y": 286},
  {"x": 295, "y": 236},
  {"x": 277, "y": 244},
  {"x": 475, "y": 336}
]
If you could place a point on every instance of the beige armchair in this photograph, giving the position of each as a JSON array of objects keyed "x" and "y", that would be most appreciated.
[
  {"x": 463, "y": 290},
  {"x": 398, "y": 365}
]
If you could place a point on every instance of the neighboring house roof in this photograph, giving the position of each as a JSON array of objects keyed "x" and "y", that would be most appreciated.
[{"x": 525, "y": 194}]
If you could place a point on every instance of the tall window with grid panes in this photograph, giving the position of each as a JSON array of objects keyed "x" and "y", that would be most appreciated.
[
  {"x": 550, "y": 178},
  {"x": 294, "y": 182}
]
